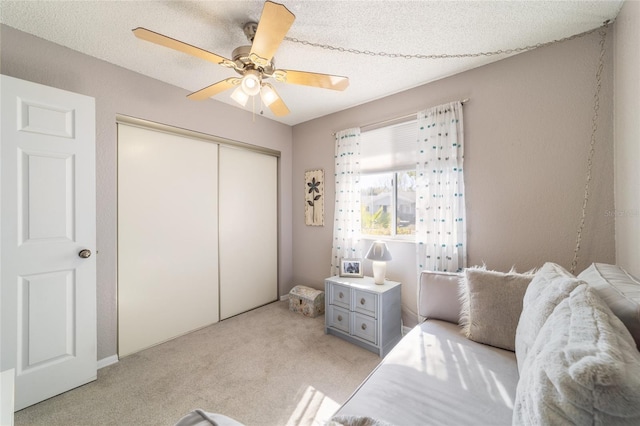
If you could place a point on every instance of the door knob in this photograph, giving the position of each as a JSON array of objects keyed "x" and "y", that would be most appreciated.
[{"x": 84, "y": 253}]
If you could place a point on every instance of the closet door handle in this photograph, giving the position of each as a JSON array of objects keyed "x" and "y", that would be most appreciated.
[
  {"x": 339, "y": 317},
  {"x": 364, "y": 326},
  {"x": 341, "y": 295},
  {"x": 362, "y": 301}
]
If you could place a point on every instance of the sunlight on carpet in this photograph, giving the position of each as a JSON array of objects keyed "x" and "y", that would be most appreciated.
[{"x": 314, "y": 409}]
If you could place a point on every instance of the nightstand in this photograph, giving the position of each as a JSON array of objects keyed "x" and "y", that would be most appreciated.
[{"x": 363, "y": 313}]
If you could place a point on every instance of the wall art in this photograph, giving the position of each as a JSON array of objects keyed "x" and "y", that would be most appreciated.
[{"x": 314, "y": 197}]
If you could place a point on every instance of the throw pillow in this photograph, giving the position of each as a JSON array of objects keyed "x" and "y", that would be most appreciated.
[
  {"x": 550, "y": 285},
  {"x": 620, "y": 291},
  {"x": 491, "y": 303},
  {"x": 356, "y": 421},
  {"x": 438, "y": 296},
  {"x": 582, "y": 369},
  {"x": 203, "y": 418}
]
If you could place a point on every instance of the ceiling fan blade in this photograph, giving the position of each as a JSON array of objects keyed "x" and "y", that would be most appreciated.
[
  {"x": 171, "y": 43},
  {"x": 274, "y": 23},
  {"x": 277, "y": 106},
  {"x": 325, "y": 81},
  {"x": 214, "y": 89}
]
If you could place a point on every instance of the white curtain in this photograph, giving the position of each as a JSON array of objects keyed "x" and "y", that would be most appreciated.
[
  {"x": 440, "y": 208},
  {"x": 346, "y": 225}
]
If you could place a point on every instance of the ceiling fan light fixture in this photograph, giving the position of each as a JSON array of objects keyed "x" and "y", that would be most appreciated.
[
  {"x": 240, "y": 96},
  {"x": 251, "y": 82},
  {"x": 253, "y": 62},
  {"x": 267, "y": 94}
]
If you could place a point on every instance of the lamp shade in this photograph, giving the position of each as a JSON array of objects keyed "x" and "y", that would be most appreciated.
[
  {"x": 239, "y": 96},
  {"x": 379, "y": 252},
  {"x": 267, "y": 94},
  {"x": 251, "y": 83}
]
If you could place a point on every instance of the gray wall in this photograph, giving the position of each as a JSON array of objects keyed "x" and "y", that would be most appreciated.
[
  {"x": 118, "y": 91},
  {"x": 627, "y": 136},
  {"x": 527, "y": 132},
  {"x": 527, "y": 129}
]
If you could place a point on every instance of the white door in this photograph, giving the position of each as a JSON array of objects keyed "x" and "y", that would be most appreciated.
[
  {"x": 248, "y": 230},
  {"x": 167, "y": 236},
  {"x": 48, "y": 225}
]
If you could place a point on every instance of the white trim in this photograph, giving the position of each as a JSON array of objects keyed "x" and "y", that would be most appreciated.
[
  {"x": 284, "y": 297},
  {"x": 7, "y": 399},
  {"x": 405, "y": 330},
  {"x": 173, "y": 130},
  {"x": 105, "y": 362}
]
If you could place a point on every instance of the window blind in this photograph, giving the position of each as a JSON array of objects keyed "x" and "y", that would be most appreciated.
[{"x": 389, "y": 148}]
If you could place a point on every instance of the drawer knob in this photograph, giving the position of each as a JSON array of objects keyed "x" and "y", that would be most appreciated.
[
  {"x": 341, "y": 295},
  {"x": 339, "y": 317},
  {"x": 362, "y": 301},
  {"x": 364, "y": 326}
]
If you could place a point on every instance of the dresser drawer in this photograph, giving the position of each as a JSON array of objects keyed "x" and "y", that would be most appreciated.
[
  {"x": 339, "y": 318},
  {"x": 364, "y": 313},
  {"x": 340, "y": 296},
  {"x": 366, "y": 303},
  {"x": 365, "y": 328}
]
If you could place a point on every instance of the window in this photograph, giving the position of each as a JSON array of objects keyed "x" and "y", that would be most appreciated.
[
  {"x": 388, "y": 203},
  {"x": 388, "y": 181}
]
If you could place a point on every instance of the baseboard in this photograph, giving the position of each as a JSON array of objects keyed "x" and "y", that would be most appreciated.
[
  {"x": 105, "y": 362},
  {"x": 284, "y": 297},
  {"x": 7, "y": 400}
]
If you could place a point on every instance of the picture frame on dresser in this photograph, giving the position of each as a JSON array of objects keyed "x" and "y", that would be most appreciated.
[{"x": 351, "y": 268}]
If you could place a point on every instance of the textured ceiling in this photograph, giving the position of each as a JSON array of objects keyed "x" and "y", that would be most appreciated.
[{"x": 103, "y": 29}]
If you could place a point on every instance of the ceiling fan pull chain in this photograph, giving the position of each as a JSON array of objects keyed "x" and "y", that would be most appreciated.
[{"x": 594, "y": 128}]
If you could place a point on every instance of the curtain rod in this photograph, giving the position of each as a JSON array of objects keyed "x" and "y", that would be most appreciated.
[{"x": 389, "y": 120}]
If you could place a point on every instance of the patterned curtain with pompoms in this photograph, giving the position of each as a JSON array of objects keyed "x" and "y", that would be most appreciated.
[
  {"x": 440, "y": 207},
  {"x": 346, "y": 222}
]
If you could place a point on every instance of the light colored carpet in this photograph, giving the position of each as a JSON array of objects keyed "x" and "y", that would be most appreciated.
[{"x": 269, "y": 366}]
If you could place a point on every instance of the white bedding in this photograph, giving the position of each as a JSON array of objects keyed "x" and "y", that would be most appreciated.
[{"x": 451, "y": 380}]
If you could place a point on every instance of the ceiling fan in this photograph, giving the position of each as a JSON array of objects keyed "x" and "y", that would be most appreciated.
[{"x": 254, "y": 63}]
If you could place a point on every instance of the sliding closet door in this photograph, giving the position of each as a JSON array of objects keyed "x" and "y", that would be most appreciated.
[
  {"x": 167, "y": 236},
  {"x": 248, "y": 230}
]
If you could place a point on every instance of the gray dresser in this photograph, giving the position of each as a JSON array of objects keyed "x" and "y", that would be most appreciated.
[{"x": 364, "y": 313}]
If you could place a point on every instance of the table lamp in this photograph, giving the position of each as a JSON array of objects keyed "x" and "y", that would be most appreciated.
[{"x": 379, "y": 254}]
